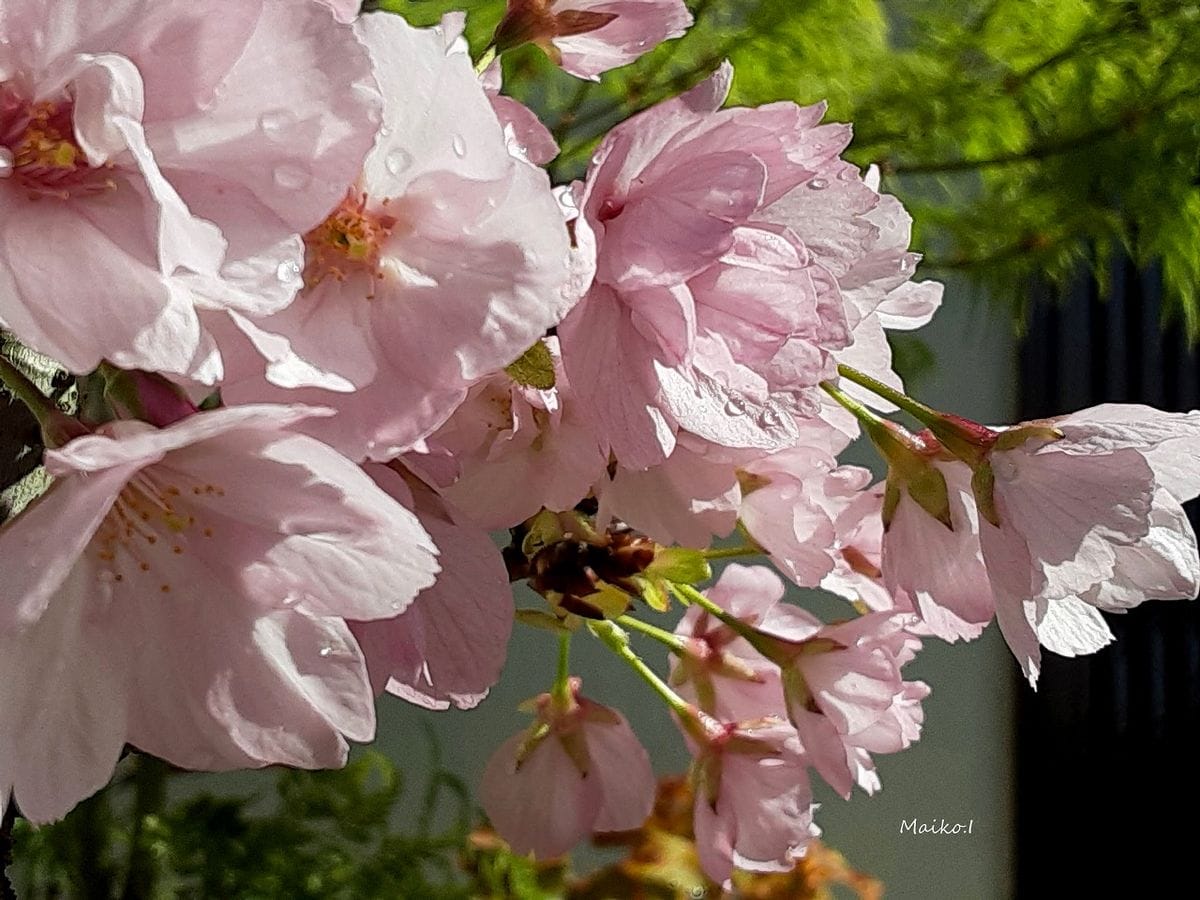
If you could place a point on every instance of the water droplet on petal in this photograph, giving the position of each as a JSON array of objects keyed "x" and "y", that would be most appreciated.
[
  {"x": 397, "y": 161},
  {"x": 735, "y": 406},
  {"x": 275, "y": 121},
  {"x": 459, "y": 146},
  {"x": 567, "y": 199},
  {"x": 531, "y": 256},
  {"x": 770, "y": 418},
  {"x": 291, "y": 177},
  {"x": 1003, "y": 467},
  {"x": 7, "y": 162},
  {"x": 906, "y": 264},
  {"x": 325, "y": 652},
  {"x": 287, "y": 271},
  {"x": 818, "y": 184}
]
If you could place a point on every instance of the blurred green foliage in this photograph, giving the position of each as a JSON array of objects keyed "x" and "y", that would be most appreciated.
[
  {"x": 324, "y": 835},
  {"x": 1029, "y": 138},
  {"x": 348, "y": 835}
]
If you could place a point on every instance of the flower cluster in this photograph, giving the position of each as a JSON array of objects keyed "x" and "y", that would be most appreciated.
[{"x": 337, "y": 324}]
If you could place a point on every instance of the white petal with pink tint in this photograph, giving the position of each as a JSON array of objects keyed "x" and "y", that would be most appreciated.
[
  {"x": 448, "y": 647},
  {"x": 543, "y": 806}
]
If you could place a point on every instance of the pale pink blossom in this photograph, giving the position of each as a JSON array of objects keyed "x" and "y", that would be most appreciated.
[
  {"x": 184, "y": 590},
  {"x": 527, "y": 138},
  {"x": 862, "y": 236},
  {"x": 448, "y": 647},
  {"x": 177, "y": 181},
  {"x": 345, "y": 11},
  {"x": 857, "y": 512},
  {"x": 753, "y": 802},
  {"x": 940, "y": 570},
  {"x": 847, "y": 697},
  {"x": 841, "y": 683},
  {"x": 511, "y": 449},
  {"x": 737, "y": 256},
  {"x": 784, "y": 513},
  {"x": 686, "y": 499},
  {"x": 1089, "y": 520},
  {"x": 589, "y": 37},
  {"x": 579, "y": 769},
  {"x": 1063, "y": 518},
  {"x": 717, "y": 670},
  {"x": 443, "y": 265}
]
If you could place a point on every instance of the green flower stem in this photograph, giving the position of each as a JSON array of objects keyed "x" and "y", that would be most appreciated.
[
  {"x": 561, "y": 692},
  {"x": 616, "y": 640},
  {"x": 674, "y": 641},
  {"x": 688, "y": 596},
  {"x": 733, "y": 552},
  {"x": 867, "y": 417},
  {"x": 915, "y": 408}
]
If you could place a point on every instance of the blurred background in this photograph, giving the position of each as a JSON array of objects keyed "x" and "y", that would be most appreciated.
[{"x": 1049, "y": 152}]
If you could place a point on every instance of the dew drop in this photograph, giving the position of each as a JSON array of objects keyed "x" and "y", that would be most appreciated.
[
  {"x": 287, "y": 271},
  {"x": 818, "y": 184},
  {"x": 567, "y": 199},
  {"x": 769, "y": 418},
  {"x": 275, "y": 121},
  {"x": 1003, "y": 467},
  {"x": 906, "y": 264},
  {"x": 292, "y": 178},
  {"x": 397, "y": 161},
  {"x": 735, "y": 406},
  {"x": 459, "y": 146},
  {"x": 7, "y": 162},
  {"x": 325, "y": 652}
]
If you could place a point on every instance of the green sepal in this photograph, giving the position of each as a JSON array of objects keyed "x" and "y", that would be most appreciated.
[
  {"x": 681, "y": 565},
  {"x": 983, "y": 486},
  {"x": 654, "y": 592},
  {"x": 611, "y": 602},
  {"x": 927, "y": 486},
  {"x": 544, "y": 529},
  {"x": 539, "y": 618},
  {"x": 534, "y": 368}
]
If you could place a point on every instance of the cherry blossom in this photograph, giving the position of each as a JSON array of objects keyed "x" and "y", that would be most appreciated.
[
  {"x": 183, "y": 196},
  {"x": 753, "y": 802},
  {"x": 737, "y": 257},
  {"x": 448, "y": 647},
  {"x": 511, "y": 449},
  {"x": 183, "y": 590},
  {"x": 579, "y": 769},
  {"x": 589, "y": 37},
  {"x": 442, "y": 265}
]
